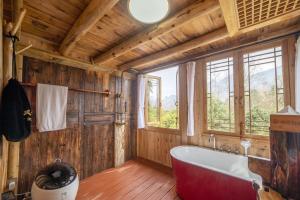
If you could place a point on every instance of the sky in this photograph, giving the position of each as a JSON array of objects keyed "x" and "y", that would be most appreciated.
[{"x": 168, "y": 80}]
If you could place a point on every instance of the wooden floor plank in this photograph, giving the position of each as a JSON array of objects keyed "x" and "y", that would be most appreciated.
[
  {"x": 137, "y": 180},
  {"x": 162, "y": 191},
  {"x": 171, "y": 195}
]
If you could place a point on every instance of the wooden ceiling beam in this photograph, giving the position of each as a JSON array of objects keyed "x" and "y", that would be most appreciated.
[
  {"x": 56, "y": 58},
  {"x": 89, "y": 17},
  {"x": 47, "y": 50},
  {"x": 197, "y": 9},
  {"x": 228, "y": 8},
  {"x": 201, "y": 41}
]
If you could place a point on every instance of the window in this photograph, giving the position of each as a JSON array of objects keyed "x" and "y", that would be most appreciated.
[
  {"x": 220, "y": 95},
  {"x": 263, "y": 88},
  {"x": 161, "y": 100},
  {"x": 244, "y": 87}
]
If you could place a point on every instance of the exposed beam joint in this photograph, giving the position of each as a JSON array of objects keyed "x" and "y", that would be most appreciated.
[
  {"x": 89, "y": 17},
  {"x": 230, "y": 16},
  {"x": 201, "y": 41},
  {"x": 186, "y": 15}
]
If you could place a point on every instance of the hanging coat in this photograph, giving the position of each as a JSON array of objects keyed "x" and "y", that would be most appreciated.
[{"x": 15, "y": 112}]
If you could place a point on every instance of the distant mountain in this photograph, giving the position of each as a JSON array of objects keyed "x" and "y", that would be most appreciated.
[
  {"x": 169, "y": 102},
  {"x": 262, "y": 81}
]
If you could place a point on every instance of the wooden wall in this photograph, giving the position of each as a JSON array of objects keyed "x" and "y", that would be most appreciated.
[
  {"x": 156, "y": 144},
  {"x": 88, "y": 141}
]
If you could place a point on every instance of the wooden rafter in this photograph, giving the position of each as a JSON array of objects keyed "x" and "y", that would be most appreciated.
[
  {"x": 197, "y": 9},
  {"x": 90, "y": 16},
  {"x": 47, "y": 50},
  {"x": 201, "y": 41},
  {"x": 56, "y": 58}
]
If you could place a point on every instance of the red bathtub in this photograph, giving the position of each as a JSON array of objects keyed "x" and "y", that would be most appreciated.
[{"x": 203, "y": 174}]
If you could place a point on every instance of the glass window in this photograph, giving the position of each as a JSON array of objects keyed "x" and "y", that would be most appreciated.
[
  {"x": 220, "y": 95},
  {"x": 263, "y": 86},
  {"x": 162, "y": 98}
]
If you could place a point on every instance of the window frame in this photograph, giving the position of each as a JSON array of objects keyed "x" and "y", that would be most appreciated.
[
  {"x": 147, "y": 78},
  {"x": 153, "y": 127},
  {"x": 238, "y": 75},
  {"x": 204, "y": 71},
  {"x": 285, "y": 76}
]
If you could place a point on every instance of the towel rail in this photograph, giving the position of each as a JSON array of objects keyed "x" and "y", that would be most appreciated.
[{"x": 106, "y": 92}]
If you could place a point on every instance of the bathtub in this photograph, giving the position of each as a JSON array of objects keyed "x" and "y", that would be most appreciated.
[{"x": 206, "y": 174}]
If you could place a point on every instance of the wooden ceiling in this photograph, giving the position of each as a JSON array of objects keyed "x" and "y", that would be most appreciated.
[{"x": 110, "y": 38}]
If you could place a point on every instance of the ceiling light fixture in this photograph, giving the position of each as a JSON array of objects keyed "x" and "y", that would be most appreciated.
[{"x": 148, "y": 11}]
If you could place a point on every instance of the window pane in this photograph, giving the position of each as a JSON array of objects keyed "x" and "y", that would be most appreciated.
[
  {"x": 263, "y": 89},
  {"x": 153, "y": 101},
  {"x": 220, "y": 95},
  {"x": 169, "y": 97}
]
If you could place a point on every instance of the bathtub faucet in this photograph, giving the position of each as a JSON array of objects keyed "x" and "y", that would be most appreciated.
[
  {"x": 246, "y": 144},
  {"x": 212, "y": 137}
]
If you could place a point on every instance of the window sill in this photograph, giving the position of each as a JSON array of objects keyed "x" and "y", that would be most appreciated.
[
  {"x": 232, "y": 134},
  {"x": 162, "y": 130},
  {"x": 223, "y": 133}
]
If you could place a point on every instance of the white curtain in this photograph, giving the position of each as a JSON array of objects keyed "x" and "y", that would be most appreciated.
[
  {"x": 297, "y": 78},
  {"x": 191, "y": 67},
  {"x": 141, "y": 101}
]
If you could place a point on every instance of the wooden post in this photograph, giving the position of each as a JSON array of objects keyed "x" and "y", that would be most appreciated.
[
  {"x": 18, "y": 5},
  {"x": 119, "y": 144},
  {"x": 14, "y": 147},
  {"x": 3, "y": 155},
  {"x": 7, "y": 62},
  {"x": 183, "y": 103},
  {"x": 200, "y": 106}
]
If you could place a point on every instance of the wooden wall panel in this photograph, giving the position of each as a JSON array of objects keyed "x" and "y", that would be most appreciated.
[
  {"x": 88, "y": 141},
  {"x": 155, "y": 145},
  {"x": 97, "y": 151}
]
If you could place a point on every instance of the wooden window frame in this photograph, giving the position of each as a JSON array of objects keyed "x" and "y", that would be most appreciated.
[
  {"x": 147, "y": 78},
  {"x": 288, "y": 57},
  {"x": 214, "y": 58},
  {"x": 152, "y": 127}
]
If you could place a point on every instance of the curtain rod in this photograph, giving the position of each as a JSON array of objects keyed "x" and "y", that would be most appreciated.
[
  {"x": 161, "y": 67},
  {"x": 106, "y": 92}
]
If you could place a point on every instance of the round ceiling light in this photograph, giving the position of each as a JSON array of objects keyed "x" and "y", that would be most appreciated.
[{"x": 148, "y": 11}]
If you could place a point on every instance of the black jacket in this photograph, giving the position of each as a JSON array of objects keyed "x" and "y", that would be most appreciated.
[{"x": 15, "y": 112}]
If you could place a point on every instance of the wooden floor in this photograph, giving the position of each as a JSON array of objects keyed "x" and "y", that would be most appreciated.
[
  {"x": 135, "y": 180},
  {"x": 139, "y": 180}
]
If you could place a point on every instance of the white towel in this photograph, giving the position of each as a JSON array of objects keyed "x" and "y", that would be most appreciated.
[{"x": 51, "y": 107}]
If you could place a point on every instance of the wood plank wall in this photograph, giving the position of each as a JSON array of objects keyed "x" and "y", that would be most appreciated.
[{"x": 88, "y": 141}]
